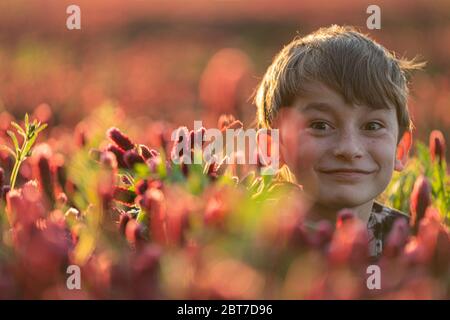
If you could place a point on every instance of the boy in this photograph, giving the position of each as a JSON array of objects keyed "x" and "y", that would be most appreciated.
[{"x": 350, "y": 94}]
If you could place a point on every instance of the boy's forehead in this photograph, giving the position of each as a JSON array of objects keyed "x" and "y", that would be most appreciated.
[
  {"x": 314, "y": 87},
  {"x": 318, "y": 96}
]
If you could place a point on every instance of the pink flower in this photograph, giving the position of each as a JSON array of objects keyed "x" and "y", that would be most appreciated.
[
  {"x": 215, "y": 211},
  {"x": 24, "y": 206},
  {"x": 323, "y": 233},
  {"x": 350, "y": 243},
  {"x": 397, "y": 238},
  {"x": 145, "y": 270},
  {"x": 154, "y": 205},
  {"x": 134, "y": 233},
  {"x": 434, "y": 237},
  {"x": 437, "y": 146},
  {"x": 123, "y": 220},
  {"x": 42, "y": 252}
]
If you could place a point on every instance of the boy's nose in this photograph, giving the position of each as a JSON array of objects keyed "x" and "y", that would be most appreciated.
[{"x": 348, "y": 147}]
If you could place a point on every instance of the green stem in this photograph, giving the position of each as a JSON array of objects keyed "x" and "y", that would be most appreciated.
[
  {"x": 19, "y": 159},
  {"x": 14, "y": 173},
  {"x": 29, "y": 137}
]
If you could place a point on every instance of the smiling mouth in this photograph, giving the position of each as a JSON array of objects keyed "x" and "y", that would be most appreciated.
[
  {"x": 350, "y": 171},
  {"x": 346, "y": 174}
]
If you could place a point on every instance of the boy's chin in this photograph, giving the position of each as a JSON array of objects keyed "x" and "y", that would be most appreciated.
[{"x": 349, "y": 201}]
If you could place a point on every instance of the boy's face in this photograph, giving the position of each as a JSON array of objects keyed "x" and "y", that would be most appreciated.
[{"x": 346, "y": 153}]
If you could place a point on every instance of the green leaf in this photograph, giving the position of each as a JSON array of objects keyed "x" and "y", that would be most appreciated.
[
  {"x": 9, "y": 150},
  {"x": 18, "y": 128},
  {"x": 41, "y": 128},
  {"x": 26, "y": 121},
  {"x": 161, "y": 168},
  {"x": 29, "y": 145},
  {"x": 142, "y": 170},
  {"x": 14, "y": 139}
]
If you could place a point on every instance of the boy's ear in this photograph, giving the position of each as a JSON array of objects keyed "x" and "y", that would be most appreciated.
[{"x": 403, "y": 148}]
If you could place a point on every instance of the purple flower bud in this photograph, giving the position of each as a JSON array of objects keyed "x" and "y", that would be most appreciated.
[
  {"x": 4, "y": 191},
  {"x": 184, "y": 169},
  {"x": 142, "y": 186},
  {"x": 61, "y": 174},
  {"x": 119, "y": 153},
  {"x": 132, "y": 158},
  {"x": 126, "y": 180},
  {"x": 419, "y": 201},
  {"x": 148, "y": 153},
  {"x": 120, "y": 139},
  {"x": 80, "y": 135},
  {"x": 109, "y": 160},
  {"x": 124, "y": 196},
  {"x": 45, "y": 177},
  {"x": 437, "y": 146}
]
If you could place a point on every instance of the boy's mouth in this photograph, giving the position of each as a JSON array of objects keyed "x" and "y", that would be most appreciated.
[{"x": 346, "y": 174}]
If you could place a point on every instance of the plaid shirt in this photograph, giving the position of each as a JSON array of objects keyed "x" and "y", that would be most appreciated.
[{"x": 379, "y": 225}]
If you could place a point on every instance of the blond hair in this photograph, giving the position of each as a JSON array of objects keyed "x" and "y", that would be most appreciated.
[{"x": 352, "y": 64}]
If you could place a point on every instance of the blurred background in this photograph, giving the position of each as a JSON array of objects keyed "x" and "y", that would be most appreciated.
[{"x": 180, "y": 60}]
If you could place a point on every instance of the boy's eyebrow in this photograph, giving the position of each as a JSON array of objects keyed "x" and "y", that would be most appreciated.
[
  {"x": 325, "y": 107},
  {"x": 318, "y": 106}
]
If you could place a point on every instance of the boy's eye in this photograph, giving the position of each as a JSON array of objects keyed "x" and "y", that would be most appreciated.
[
  {"x": 320, "y": 125},
  {"x": 373, "y": 126}
]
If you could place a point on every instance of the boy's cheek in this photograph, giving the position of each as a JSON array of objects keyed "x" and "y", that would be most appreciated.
[
  {"x": 308, "y": 153},
  {"x": 386, "y": 158},
  {"x": 304, "y": 155}
]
